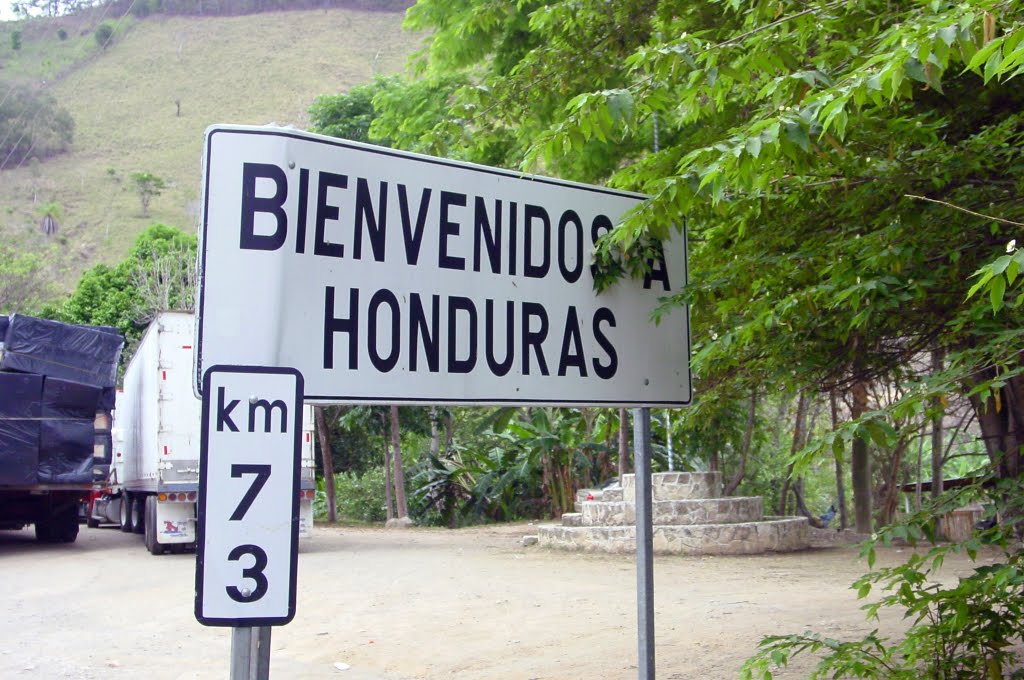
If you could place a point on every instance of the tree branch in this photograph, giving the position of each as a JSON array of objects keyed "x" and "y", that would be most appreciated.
[{"x": 962, "y": 209}]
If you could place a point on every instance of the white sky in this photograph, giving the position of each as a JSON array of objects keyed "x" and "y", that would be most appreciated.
[{"x": 5, "y": 10}]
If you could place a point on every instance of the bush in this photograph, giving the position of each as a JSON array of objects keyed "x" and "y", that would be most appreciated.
[
  {"x": 16, "y": 40},
  {"x": 62, "y": 34},
  {"x": 971, "y": 629},
  {"x": 31, "y": 123},
  {"x": 359, "y": 497},
  {"x": 104, "y": 34}
]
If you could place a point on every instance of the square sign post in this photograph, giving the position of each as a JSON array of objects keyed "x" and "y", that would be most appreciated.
[{"x": 248, "y": 515}]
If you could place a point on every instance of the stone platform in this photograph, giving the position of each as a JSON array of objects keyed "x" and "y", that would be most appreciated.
[{"x": 689, "y": 516}]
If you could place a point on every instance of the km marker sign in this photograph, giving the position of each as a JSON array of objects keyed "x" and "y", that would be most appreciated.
[{"x": 248, "y": 530}]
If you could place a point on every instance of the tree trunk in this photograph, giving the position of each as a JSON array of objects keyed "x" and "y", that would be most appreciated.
[
  {"x": 326, "y": 462},
  {"x": 938, "y": 413},
  {"x": 623, "y": 444},
  {"x": 892, "y": 484},
  {"x": 748, "y": 438},
  {"x": 796, "y": 445},
  {"x": 840, "y": 480},
  {"x": 401, "y": 509},
  {"x": 1001, "y": 419},
  {"x": 389, "y": 511},
  {"x": 860, "y": 462},
  {"x": 435, "y": 433},
  {"x": 801, "y": 505},
  {"x": 920, "y": 469},
  {"x": 593, "y": 459}
]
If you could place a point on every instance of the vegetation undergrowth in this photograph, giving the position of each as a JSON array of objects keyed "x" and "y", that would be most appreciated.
[{"x": 970, "y": 629}]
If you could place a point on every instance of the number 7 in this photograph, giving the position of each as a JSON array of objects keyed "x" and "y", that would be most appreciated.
[{"x": 262, "y": 473}]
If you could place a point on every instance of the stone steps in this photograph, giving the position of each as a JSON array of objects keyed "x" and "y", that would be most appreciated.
[
  {"x": 676, "y": 486},
  {"x": 729, "y": 510},
  {"x": 773, "y": 534},
  {"x": 688, "y": 514}
]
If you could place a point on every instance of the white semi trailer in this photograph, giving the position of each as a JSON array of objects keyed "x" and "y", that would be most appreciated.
[{"x": 154, "y": 478}]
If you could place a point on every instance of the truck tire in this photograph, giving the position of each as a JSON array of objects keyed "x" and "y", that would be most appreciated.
[
  {"x": 152, "y": 545},
  {"x": 60, "y": 527},
  {"x": 44, "y": 534},
  {"x": 65, "y": 526},
  {"x": 125, "y": 513},
  {"x": 138, "y": 513}
]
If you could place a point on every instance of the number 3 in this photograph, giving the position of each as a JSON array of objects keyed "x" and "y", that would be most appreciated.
[{"x": 255, "y": 572}]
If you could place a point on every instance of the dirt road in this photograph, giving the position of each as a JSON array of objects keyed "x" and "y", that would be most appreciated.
[{"x": 416, "y": 603}]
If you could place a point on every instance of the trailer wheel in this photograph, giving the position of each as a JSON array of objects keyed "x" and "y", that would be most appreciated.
[
  {"x": 152, "y": 545},
  {"x": 60, "y": 527},
  {"x": 138, "y": 514},
  {"x": 65, "y": 527},
  {"x": 43, "y": 531},
  {"x": 124, "y": 514}
]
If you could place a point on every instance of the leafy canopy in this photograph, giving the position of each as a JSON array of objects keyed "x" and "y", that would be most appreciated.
[{"x": 818, "y": 152}]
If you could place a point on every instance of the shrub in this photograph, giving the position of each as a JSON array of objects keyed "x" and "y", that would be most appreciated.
[
  {"x": 971, "y": 629},
  {"x": 104, "y": 34},
  {"x": 31, "y": 123},
  {"x": 16, "y": 40},
  {"x": 148, "y": 186},
  {"x": 62, "y": 34},
  {"x": 358, "y": 497}
]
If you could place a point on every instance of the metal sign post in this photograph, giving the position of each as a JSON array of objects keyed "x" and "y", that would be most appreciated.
[
  {"x": 644, "y": 544},
  {"x": 250, "y": 653}
]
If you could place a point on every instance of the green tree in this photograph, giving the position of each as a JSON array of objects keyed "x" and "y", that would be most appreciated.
[
  {"x": 126, "y": 295},
  {"x": 349, "y": 115},
  {"x": 26, "y": 281},
  {"x": 148, "y": 186},
  {"x": 104, "y": 34},
  {"x": 50, "y": 216},
  {"x": 15, "y": 40},
  {"x": 32, "y": 124},
  {"x": 844, "y": 169}
]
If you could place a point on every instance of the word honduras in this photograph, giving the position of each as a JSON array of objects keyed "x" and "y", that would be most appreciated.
[{"x": 472, "y": 234}]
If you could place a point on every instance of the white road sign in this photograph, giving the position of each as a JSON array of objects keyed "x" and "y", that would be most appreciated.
[
  {"x": 248, "y": 518},
  {"x": 386, "y": 276}
]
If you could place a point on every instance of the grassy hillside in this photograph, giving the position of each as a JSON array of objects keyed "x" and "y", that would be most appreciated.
[{"x": 251, "y": 69}]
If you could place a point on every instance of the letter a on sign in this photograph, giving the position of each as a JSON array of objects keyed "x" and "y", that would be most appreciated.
[{"x": 248, "y": 529}]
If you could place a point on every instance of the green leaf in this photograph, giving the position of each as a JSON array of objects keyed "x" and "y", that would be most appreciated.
[
  {"x": 992, "y": 65},
  {"x": 753, "y": 146},
  {"x": 996, "y": 292},
  {"x": 797, "y": 133},
  {"x": 915, "y": 70},
  {"x": 947, "y": 34}
]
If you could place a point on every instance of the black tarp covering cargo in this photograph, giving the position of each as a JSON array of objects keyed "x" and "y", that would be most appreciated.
[
  {"x": 67, "y": 432},
  {"x": 20, "y": 411},
  {"x": 47, "y": 431},
  {"x": 84, "y": 354},
  {"x": 65, "y": 451}
]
